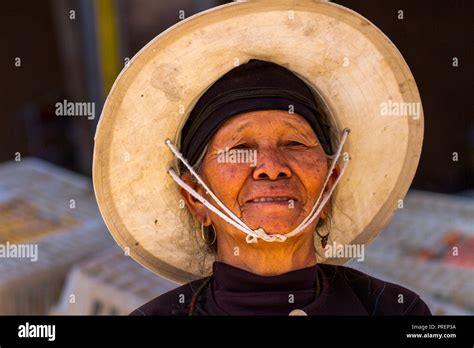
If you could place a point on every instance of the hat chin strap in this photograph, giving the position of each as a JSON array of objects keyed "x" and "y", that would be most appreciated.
[{"x": 234, "y": 220}]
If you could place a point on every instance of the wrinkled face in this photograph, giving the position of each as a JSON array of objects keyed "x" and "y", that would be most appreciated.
[{"x": 267, "y": 167}]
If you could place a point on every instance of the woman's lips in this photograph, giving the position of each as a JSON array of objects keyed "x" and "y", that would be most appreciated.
[
  {"x": 270, "y": 200},
  {"x": 285, "y": 201}
]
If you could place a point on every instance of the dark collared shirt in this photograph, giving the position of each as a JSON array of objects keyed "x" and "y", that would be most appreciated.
[{"x": 317, "y": 290}]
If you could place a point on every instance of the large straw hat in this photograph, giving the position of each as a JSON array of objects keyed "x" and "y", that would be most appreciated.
[{"x": 361, "y": 76}]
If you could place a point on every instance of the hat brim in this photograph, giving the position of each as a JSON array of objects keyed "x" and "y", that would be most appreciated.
[{"x": 352, "y": 65}]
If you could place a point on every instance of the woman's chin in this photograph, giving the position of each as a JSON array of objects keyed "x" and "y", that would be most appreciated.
[
  {"x": 278, "y": 221},
  {"x": 271, "y": 227}
]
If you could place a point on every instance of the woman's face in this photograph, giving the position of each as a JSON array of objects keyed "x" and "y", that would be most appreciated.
[{"x": 283, "y": 175}]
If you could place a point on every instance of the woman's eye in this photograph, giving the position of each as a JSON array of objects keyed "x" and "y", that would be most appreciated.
[
  {"x": 294, "y": 143},
  {"x": 241, "y": 146}
]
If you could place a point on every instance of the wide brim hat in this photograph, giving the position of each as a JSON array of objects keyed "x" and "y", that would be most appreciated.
[{"x": 363, "y": 81}]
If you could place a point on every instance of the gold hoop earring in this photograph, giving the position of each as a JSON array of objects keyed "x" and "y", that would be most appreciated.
[{"x": 204, "y": 238}]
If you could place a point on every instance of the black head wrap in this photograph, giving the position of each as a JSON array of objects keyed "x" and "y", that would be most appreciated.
[{"x": 256, "y": 85}]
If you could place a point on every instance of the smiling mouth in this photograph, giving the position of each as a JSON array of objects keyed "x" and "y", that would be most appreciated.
[{"x": 271, "y": 200}]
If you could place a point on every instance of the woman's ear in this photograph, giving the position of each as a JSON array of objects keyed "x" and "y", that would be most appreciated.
[
  {"x": 197, "y": 209},
  {"x": 332, "y": 180}
]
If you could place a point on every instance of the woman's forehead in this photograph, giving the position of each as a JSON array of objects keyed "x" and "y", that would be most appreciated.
[{"x": 272, "y": 120}]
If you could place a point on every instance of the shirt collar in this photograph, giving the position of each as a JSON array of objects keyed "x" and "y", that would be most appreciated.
[
  {"x": 231, "y": 278},
  {"x": 335, "y": 297}
]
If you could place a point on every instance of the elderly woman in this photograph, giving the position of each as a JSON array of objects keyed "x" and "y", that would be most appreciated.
[
  {"x": 275, "y": 194},
  {"x": 258, "y": 165}
]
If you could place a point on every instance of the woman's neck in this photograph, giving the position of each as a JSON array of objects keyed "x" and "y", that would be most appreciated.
[{"x": 268, "y": 258}]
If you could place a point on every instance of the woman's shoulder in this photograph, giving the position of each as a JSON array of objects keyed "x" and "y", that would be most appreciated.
[
  {"x": 378, "y": 297},
  {"x": 174, "y": 302}
]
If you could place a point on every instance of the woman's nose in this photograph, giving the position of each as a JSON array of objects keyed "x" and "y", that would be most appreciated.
[{"x": 270, "y": 165}]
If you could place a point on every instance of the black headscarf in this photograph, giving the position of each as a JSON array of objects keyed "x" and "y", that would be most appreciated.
[{"x": 256, "y": 85}]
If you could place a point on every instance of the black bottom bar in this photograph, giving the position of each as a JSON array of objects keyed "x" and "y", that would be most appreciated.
[{"x": 158, "y": 331}]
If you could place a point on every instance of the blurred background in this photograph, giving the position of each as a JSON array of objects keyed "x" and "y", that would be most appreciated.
[{"x": 72, "y": 50}]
